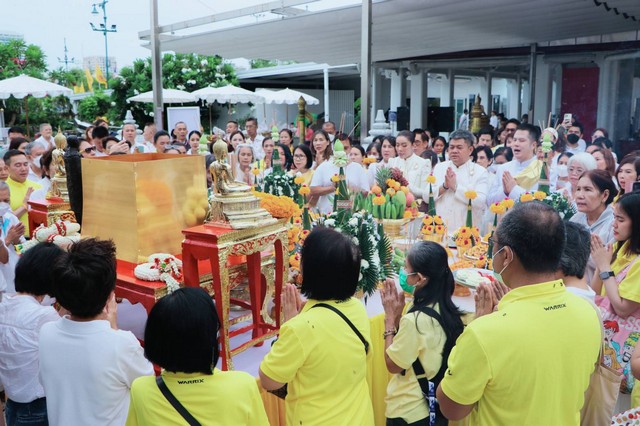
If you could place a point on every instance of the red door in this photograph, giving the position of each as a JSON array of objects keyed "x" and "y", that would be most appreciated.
[{"x": 580, "y": 96}]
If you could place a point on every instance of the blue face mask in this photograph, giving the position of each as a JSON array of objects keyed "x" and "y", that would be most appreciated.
[
  {"x": 402, "y": 277},
  {"x": 498, "y": 275}
]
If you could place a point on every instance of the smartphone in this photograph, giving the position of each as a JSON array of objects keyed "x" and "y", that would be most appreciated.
[
  {"x": 636, "y": 186},
  {"x": 567, "y": 118}
]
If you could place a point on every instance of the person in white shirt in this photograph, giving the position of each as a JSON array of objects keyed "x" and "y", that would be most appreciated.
[
  {"x": 456, "y": 176},
  {"x": 21, "y": 318},
  {"x": 414, "y": 169},
  {"x": 147, "y": 134},
  {"x": 463, "y": 122},
  {"x": 194, "y": 142},
  {"x": 46, "y": 136},
  {"x": 521, "y": 174},
  {"x": 232, "y": 126},
  {"x": 254, "y": 138},
  {"x": 129, "y": 135},
  {"x": 34, "y": 151},
  {"x": 573, "y": 262},
  {"x": 12, "y": 231},
  {"x": 99, "y": 134},
  {"x": 494, "y": 121},
  {"x": 322, "y": 186},
  {"x": 87, "y": 365},
  {"x": 575, "y": 143}
]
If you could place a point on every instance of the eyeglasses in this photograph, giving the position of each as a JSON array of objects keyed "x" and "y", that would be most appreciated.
[
  {"x": 408, "y": 274},
  {"x": 299, "y": 156},
  {"x": 89, "y": 149}
]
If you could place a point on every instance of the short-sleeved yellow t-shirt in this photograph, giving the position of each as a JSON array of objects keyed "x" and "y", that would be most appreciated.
[
  {"x": 18, "y": 192},
  {"x": 325, "y": 365},
  {"x": 419, "y": 335},
  {"x": 530, "y": 362},
  {"x": 629, "y": 288},
  {"x": 224, "y": 398}
]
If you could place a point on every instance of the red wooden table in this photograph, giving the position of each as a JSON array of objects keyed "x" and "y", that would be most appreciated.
[
  {"x": 47, "y": 212},
  {"x": 217, "y": 245}
]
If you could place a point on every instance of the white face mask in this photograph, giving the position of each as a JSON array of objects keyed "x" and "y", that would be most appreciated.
[
  {"x": 498, "y": 275},
  {"x": 37, "y": 161},
  {"x": 4, "y": 208},
  {"x": 563, "y": 170}
]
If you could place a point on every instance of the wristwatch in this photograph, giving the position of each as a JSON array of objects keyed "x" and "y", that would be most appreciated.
[{"x": 606, "y": 274}]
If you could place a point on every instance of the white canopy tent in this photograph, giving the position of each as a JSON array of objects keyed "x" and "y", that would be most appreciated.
[{"x": 169, "y": 96}]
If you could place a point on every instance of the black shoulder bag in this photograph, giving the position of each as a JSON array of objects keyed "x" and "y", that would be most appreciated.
[
  {"x": 175, "y": 403},
  {"x": 282, "y": 392},
  {"x": 423, "y": 380}
]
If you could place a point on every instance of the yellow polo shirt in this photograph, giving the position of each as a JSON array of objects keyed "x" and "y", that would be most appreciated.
[
  {"x": 528, "y": 363},
  {"x": 419, "y": 336},
  {"x": 324, "y": 363},
  {"x": 18, "y": 192},
  {"x": 224, "y": 398},
  {"x": 629, "y": 288}
]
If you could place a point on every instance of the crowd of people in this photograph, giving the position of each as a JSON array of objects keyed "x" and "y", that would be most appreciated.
[{"x": 526, "y": 357}]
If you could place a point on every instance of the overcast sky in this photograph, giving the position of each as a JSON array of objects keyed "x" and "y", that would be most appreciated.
[{"x": 48, "y": 22}]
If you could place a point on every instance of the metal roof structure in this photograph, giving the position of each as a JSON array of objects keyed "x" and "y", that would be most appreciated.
[{"x": 402, "y": 29}]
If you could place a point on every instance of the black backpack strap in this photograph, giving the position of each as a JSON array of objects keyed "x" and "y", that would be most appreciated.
[
  {"x": 344, "y": 317},
  {"x": 175, "y": 403}
]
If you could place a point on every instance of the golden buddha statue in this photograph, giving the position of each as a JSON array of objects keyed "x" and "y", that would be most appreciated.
[
  {"x": 59, "y": 180},
  {"x": 232, "y": 203}
]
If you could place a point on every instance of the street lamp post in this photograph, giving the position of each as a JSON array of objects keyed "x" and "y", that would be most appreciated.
[{"x": 104, "y": 29}]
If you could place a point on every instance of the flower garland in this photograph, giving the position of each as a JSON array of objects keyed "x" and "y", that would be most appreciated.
[
  {"x": 161, "y": 267},
  {"x": 278, "y": 206}
]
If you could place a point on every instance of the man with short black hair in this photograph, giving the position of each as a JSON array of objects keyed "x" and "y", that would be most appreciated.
[
  {"x": 522, "y": 173},
  {"x": 98, "y": 134},
  {"x": 87, "y": 365},
  {"x": 254, "y": 138},
  {"x": 455, "y": 177},
  {"x": 539, "y": 330},
  {"x": 160, "y": 140},
  {"x": 420, "y": 142},
  {"x": 573, "y": 262},
  {"x": 330, "y": 128},
  {"x": 21, "y": 188},
  {"x": 15, "y": 132},
  {"x": 575, "y": 143},
  {"x": 34, "y": 151},
  {"x": 463, "y": 122},
  {"x": 232, "y": 126},
  {"x": 485, "y": 137}
]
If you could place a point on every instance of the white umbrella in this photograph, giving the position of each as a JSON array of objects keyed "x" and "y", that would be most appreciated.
[
  {"x": 228, "y": 94},
  {"x": 22, "y": 86},
  {"x": 169, "y": 96},
  {"x": 286, "y": 96}
]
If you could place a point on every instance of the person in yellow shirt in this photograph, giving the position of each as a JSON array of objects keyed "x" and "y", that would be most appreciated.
[
  {"x": 21, "y": 188},
  {"x": 181, "y": 337},
  {"x": 322, "y": 355},
  {"x": 424, "y": 337},
  {"x": 529, "y": 362}
]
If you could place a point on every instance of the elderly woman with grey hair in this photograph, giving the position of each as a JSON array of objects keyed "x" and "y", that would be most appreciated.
[
  {"x": 244, "y": 159},
  {"x": 578, "y": 164}
]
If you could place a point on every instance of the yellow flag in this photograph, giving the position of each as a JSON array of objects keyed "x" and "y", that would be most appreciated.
[
  {"x": 87, "y": 73},
  {"x": 100, "y": 76},
  {"x": 81, "y": 88}
]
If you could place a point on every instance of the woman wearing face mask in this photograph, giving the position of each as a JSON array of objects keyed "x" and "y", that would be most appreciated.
[
  {"x": 594, "y": 193},
  {"x": 561, "y": 174},
  {"x": 426, "y": 333}
]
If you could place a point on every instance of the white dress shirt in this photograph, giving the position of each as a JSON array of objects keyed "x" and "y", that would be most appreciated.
[
  {"x": 86, "y": 369},
  {"x": 355, "y": 175},
  {"x": 49, "y": 143},
  {"x": 258, "y": 152},
  {"x": 415, "y": 170},
  {"x": 452, "y": 206},
  {"x": 603, "y": 227},
  {"x": 496, "y": 193},
  {"x": 21, "y": 317}
]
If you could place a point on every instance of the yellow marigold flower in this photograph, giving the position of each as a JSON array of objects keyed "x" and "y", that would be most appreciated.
[
  {"x": 471, "y": 194},
  {"x": 391, "y": 191},
  {"x": 438, "y": 220},
  {"x": 304, "y": 190},
  {"x": 431, "y": 179},
  {"x": 335, "y": 178},
  {"x": 427, "y": 220},
  {"x": 526, "y": 197},
  {"x": 508, "y": 203},
  {"x": 379, "y": 200},
  {"x": 406, "y": 214},
  {"x": 497, "y": 208},
  {"x": 464, "y": 231},
  {"x": 539, "y": 195},
  {"x": 255, "y": 171},
  {"x": 299, "y": 180}
]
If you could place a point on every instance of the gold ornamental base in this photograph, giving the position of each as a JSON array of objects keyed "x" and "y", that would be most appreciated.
[{"x": 239, "y": 212}]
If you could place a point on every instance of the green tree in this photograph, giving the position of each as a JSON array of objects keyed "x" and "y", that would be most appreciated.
[
  {"x": 70, "y": 78},
  {"x": 179, "y": 71},
  {"x": 94, "y": 106}
]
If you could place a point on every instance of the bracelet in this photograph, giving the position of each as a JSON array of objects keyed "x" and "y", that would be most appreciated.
[
  {"x": 445, "y": 187},
  {"x": 388, "y": 333}
]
